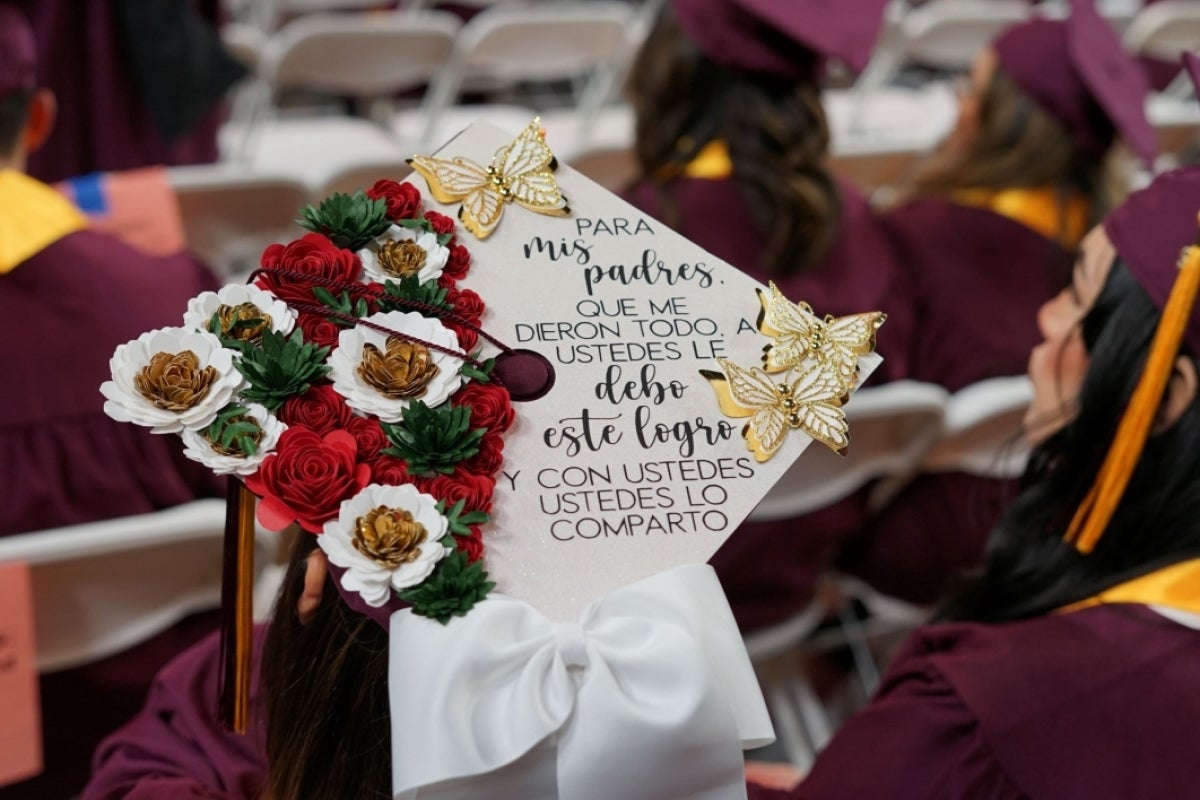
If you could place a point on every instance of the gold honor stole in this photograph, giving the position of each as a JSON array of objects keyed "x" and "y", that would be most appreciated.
[
  {"x": 1037, "y": 209},
  {"x": 1176, "y": 587},
  {"x": 32, "y": 217}
]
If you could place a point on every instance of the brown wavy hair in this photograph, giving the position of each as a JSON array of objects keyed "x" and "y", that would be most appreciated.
[
  {"x": 1018, "y": 146},
  {"x": 775, "y": 129},
  {"x": 324, "y": 685}
]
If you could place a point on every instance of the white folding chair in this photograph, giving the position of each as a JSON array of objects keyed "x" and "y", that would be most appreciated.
[
  {"x": 1165, "y": 30},
  {"x": 229, "y": 216},
  {"x": 563, "y": 40},
  {"x": 362, "y": 175},
  {"x": 103, "y": 587},
  {"x": 891, "y": 427},
  {"x": 368, "y": 57},
  {"x": 982, "y": 432}
]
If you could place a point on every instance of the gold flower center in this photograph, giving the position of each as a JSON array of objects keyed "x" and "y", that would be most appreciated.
[
  {"x": 229, "y": 316},
  {"x": 402, "y": 259},
  {"x": 389, "y": 536},
  {"x": 175, "y": 381},
  {"x": 400, "y": 372}
]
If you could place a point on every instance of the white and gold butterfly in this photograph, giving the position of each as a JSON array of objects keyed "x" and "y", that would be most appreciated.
[
  {"x": 798, "y": 333},
  {"x": 522, "y": 172},
  {"x": 812, "y": 402}
]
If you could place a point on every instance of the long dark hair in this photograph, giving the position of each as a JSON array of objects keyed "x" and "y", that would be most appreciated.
[
  {"x": 326, "y": 695},
  {"x": 1028, "y": 569},
  {"x": 1018, "y": 146},
  {"x": 775, "y": 129}
]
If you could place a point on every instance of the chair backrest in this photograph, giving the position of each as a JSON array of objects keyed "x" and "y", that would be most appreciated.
[
  {"x": 1165, "y": 29},
  {"x": 103, "y": 587},
  {"x": 982, "y": 432},
  {"x": 362, "y": 175},
  {"x": 360, "y": 55},
  {"x": 950, "y": 33},
  {"x": 539, "y": 42},
  {"x": 891, "y": 427},
  {"x": 230, "y": 216}
]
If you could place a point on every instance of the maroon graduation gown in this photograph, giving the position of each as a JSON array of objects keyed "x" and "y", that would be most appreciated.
[
  {"x": 769, "y": 569},
  {"x": 1098, "y": 704},
  {"x": 103, "y": 123},
  {"x": 176, "y": 748},
  {"x": 977, "y": 280},
  {"x": 62, "y": 461}
]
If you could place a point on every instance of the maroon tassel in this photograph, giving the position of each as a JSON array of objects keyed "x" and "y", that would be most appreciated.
[{"x": 237, "y": 608}]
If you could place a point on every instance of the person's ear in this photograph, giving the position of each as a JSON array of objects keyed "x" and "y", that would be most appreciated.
[
  {"x": 315, "y": 570},
  {"x": 39, "y": 123},
  {"x": 1180, "y": 394}
]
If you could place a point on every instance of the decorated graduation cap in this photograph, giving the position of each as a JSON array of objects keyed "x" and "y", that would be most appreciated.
[
  {"x": 782, "y": 38},
  {"x": 1077, "y": 70},
  {"x": 518, "y": 437},
  {"x": 1156, "y": 233},
  {"x": 18, "y": 53}
]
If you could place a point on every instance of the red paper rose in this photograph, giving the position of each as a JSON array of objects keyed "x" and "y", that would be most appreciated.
[
  {"x": 319, "y": 330},
  {"x": 491, "y": 407},
  {"x": 311, "y": 254},
  {"x": 467, "y": 336},
  {"x": 470, "y": 546},
  {"x": 489, "y": 458},
  {"x": 390, "y": 471},
  {"x": 320, "y": 409},
  {"x": 370, "y": 437},
  {"x": 467, "y": 304},
  {"x": 440, "y": 222},
  {"x": 403, "y": 199},
  {"x": 474, "y": 490},
  {"x": 307, "y": 478},
  {"x": 457, "y": 263}
]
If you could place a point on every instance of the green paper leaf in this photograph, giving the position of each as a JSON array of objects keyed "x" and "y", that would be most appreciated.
[
  {"x": 349, "y": 221},
  {"x": 411, "y": 289},
  {"x": 433, "y": 440},
  {"x": 281, "y": 367},
  {"x": 453, "y": 589}
]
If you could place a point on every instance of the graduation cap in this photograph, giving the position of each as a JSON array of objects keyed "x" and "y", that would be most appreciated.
[
  {"x": 782, "y": 38},
  {"x": 18, "y": 52},
  {"x": 1077, "y": 70},
  {"x": 518, "y": 437},
  {"x": 1156, "y": 233}
]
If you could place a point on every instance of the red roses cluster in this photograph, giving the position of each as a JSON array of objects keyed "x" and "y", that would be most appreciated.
[{"x": 328, "y": 453}]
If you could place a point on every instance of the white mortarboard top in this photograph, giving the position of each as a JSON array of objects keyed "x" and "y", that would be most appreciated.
[{"x": 658, "y": 395}]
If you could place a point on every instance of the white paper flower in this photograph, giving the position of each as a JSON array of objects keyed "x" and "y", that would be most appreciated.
[
  {"x": 401, "y": 252},
  {"x": 201, "y": 308},
  {"x": 170, "y": 379},
  {"x": 199, "y": 447},
  {"x": 386, "y": 538},
  {"x": 394, "y": 371}
]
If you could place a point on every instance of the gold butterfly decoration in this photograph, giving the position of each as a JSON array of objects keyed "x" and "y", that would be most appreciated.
[
  {"x": 812, "y": 402},
  {"x": 522, "y": 172},
  {"x": 798, "y": 333}
]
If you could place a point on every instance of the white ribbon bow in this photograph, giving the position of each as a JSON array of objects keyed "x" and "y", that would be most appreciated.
[{"x": 650, "y": 695}]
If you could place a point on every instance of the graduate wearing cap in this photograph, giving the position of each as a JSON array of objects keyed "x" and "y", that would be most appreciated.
[
  {"x": 989, "y": 236},
  {"x": 1066, "y": 669},
  {"x": 732, "y": 141},
  {"x": 138, "y": 83},
  {"x": 68, "y": 295}
]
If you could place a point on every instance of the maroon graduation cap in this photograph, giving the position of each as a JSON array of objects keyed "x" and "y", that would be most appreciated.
[
  {"x": 788, "y": 38},
  {"x": 18, "y": 54},
  {"x": 1077, "y": 70}
]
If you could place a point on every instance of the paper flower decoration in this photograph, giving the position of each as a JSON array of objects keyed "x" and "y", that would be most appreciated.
[
  {"x": 237, "y": 441},
  {"x": 387, "y": 538},
  {"x": 170, "y": 380},
  {"x": 381, "y": 375},
  {"x": 239, "y": 312},
  {"x": 252, "y": 389},
  {"x": 404, "y": 253}
]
